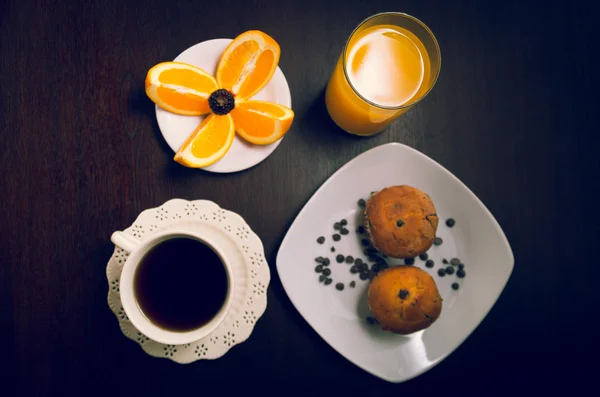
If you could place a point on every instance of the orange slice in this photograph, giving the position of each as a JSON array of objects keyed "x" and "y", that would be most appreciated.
[
  {"x": 208, "y": 143},
  {"x": 261, "y": 122},
  {"x": 248, "y": 63},
  {"x": 180, "y": 88}
]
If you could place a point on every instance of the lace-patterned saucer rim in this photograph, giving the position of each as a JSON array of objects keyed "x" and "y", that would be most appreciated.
[{"x": 251, "y": 276}]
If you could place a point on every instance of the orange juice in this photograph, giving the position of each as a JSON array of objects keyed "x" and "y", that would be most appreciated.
[{"x": 384, "y": 69}]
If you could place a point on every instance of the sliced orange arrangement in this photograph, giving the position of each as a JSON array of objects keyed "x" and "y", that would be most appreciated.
[{"x": 245, "y": 67}]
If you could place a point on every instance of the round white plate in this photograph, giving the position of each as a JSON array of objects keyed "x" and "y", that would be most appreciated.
[
  {"x": 241, "y": 155},
  {"x": 251, "y": 275}
]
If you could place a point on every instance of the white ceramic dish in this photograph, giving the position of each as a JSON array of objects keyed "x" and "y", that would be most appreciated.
[
  {"x": 245, "y": 255},
  {"x": 339, "y": 316},
  {"x": 241, "y": 155}
]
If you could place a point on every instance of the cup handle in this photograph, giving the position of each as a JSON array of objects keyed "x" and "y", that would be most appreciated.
[{"x": 124, "y": 241}]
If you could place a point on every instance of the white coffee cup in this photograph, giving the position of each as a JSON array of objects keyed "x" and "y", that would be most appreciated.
[{"x": 137, "y": 250}]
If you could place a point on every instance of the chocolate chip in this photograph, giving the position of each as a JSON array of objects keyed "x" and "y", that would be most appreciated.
[
  {"x": 460, "y": 273},
  {"x": 449, "y": 270},
  {"x": 352, "y": 284},
  {"x": 429, "y": 263},
  {"x": 364, "y": 274},
  {"x": 364, "y": 266},
  {"x": 455, "y": 261},
  {"x": 337, "y": 226},
  {"x": 327, "y": 272},
  {"x": 343, "y": 222},
  {"x": 332, "y": 249},
  {"x": 450, "y": 222},
  {"x": 370, "y": 251},
  {"x": 326, "y": 262},
  {"x": 339, "y": 258},
  {"x": 321, "y": 240},
  {"x": 424, "y": 257},
  {"x": 362, "y": 202},
  {"x": 358, "y": 261},
  {"x": 445, "y": 261},
  {"x": 360, "y": 230},
  {"x": 320, "y": 259},
  {"x": 437, "y": 241},
  {"x": 322, "y": 278},
  {"x": 441, "y": 272},
  {"x": 403, "y": 294},
  {"x": 319, "y": 268},
  {"x": 336, "y": 237},
  {"x": 339, "y": 286},
  {"x": 399, "y": 222},
  {"x": 455, "y": 286},
  {"x": 328, "y": 281},
  {"x": 376, "y": 268},
  {"x": 365, "y": 242},
  {"x": 461, "y": 266},
  {"x": 354, "y": 269},
  {"x": 349, "y": 259},
  {"x": 344, "y": 232},
  {"x": 409, "y": 261}
]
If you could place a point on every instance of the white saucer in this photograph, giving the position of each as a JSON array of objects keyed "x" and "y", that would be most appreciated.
[
  {"x": 251, "y": 275},
  {"x": 241, "y": 155},
  {"x": 339, "y": 316}
]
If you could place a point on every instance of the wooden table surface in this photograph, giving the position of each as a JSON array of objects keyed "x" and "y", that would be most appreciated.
[{"x": 513, "y": 115}]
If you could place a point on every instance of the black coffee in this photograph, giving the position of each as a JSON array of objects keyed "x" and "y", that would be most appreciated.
[{"x": 181, "y": 284}]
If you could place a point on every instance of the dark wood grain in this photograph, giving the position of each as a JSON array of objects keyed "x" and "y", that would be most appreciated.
[{"x": 513, "y": 115}]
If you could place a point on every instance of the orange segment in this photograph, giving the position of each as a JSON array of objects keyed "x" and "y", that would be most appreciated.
[
  {"x": 248, "y": 63},
  {"x": 208, "y": 143},
  {"x": 261, "y": 122},
  {"x": 180, "y": 88}
]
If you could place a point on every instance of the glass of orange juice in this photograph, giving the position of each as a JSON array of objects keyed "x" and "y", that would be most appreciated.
[{"x": 390, "y": 62}]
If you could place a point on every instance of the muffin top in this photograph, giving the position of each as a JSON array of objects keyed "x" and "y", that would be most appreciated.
[
  {"x": 404, "y": 299},
  {"x": 401, "y": 221}
]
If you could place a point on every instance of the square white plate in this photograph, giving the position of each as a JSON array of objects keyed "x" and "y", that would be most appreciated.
[{"x": 340, "y": 316}]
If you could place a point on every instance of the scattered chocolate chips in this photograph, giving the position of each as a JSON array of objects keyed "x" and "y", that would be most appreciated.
[
  {"x": 424, "y": 257},
  {"x": 321, "y": 240},
  {"x": 461, "y": 266},
  {"x": 449, "y": 270},
  {"x": 399, "y": 223},
  {"x": 355, "y": 269},
  {"x": 370, "y": 251},
  {"x": 362, "y": 202},
  {"x": 336, "y": 237},
  {"x": 429, "y": 263},
  {"x": 339, "y": 286},
  {"x": 322, "y": 278},
  {"x": 349, "y": 259},
  {"x": 460, "y": 273},
  {"x": 455, "y": 286},
  {"x": 337, "y": 226},
  {"x": 352, "y": 284},
  {"x": 328, "y": 281},
  {"x": 358, "y": 261},
  {"x": 344, "y": 232},
  {"x": 332, "y": 249},
  {"x": 327, "y": 272},
  {"x": 403, "y": 294},
  {"x": 319, "y": 259},
  {"x": 364, "y": 274},
  {"x": 343, "y": 222},
  {"x": 360, "y": 230},
  {"x": 364, "y": 242},
  {"x": 441, "y": 272},
  {"x": 455, "y": 261},
  {"x": 339, "y": 258},
  {"x": 409, "y": 261},
  {"x": 376, "y": 268},
  {"x": 326, "y": 262},
  {"x": 319, "y": 268},
  {"x": 445, "y": 261},
  {"x": 437, "y": 241},
  {"x": 450, "y": 222}
]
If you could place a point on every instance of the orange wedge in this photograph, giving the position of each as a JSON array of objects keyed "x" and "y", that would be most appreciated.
[
  {"x": 261, "y": 122},
  {"x": 180, "y": 88},
  {"x": 248, "y": 63},
  {"x": 208, "y": 143}
]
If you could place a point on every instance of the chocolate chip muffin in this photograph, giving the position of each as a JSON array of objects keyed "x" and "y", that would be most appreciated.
[
  {"x": 401, "y": 221},
  {"x": 404, "y": 299}
]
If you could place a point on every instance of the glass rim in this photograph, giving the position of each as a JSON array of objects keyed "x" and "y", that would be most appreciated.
[{"x": 418, "y": 21}]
